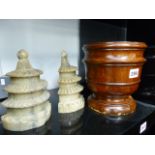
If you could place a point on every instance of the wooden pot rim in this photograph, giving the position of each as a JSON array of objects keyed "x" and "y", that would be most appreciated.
[{"x": 115, "y": 44}]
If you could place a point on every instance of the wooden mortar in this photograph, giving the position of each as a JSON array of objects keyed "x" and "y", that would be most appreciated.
[{"x": 113, "y": 71}]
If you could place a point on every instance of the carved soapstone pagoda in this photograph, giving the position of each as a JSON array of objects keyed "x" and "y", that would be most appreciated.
[
  {"x": 27, "y": 105},
  {"x": 70, "y": 99}
]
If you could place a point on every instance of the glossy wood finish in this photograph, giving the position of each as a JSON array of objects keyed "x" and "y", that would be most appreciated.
[{"x": 109, "y": 66}]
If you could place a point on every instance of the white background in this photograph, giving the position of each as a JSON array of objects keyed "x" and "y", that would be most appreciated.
[{"x": 44, "y": 40}]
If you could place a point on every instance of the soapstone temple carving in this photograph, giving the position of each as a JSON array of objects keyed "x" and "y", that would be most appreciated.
[
  {"x": 27, "y": 105},
  {"x": 70, "y": 99}
]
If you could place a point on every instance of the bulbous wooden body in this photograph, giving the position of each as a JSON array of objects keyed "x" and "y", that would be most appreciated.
[{"x": 113, "y": 74}]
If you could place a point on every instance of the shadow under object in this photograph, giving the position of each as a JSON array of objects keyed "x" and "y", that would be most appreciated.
[
  {"x": 96, "y": 124},
  {"x": 43, "y": 130}
]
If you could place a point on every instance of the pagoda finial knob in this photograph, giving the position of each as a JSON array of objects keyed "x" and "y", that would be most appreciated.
[
  {"x": 22, "y": 54},
  {"x": 64, "y": 59},
  {"x": 63, "y": 53}
]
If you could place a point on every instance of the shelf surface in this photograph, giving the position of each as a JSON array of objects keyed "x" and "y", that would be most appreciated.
[{"x": 87, "y": 122}]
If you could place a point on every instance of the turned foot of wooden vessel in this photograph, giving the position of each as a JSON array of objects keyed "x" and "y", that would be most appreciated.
[{"x": 112, "y": 106}]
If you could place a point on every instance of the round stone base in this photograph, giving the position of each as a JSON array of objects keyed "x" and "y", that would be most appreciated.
[
  {"x": 71, "y": 106},
  {"x": 27, "y": 118}
]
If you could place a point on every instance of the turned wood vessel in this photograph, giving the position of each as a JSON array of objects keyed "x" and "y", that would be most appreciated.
[{"x": 113, "y": 73}]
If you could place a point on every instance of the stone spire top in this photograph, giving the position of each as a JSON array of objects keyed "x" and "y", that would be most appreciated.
[
  {"x": 64, "y": 59},
  {"x": 65, "y": 66},
  {"x": 22, "y": 54},
  {"x": 24, "y": 68}
]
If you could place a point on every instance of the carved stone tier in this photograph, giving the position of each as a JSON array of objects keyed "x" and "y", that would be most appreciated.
[
  {"x": 28, "y": 105},
  {"x": 66, "y": 89},
  {"x": 70, "y": 99},
  {"x": 26, "y": 100},
  {"x": 28, "y": 85}
]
